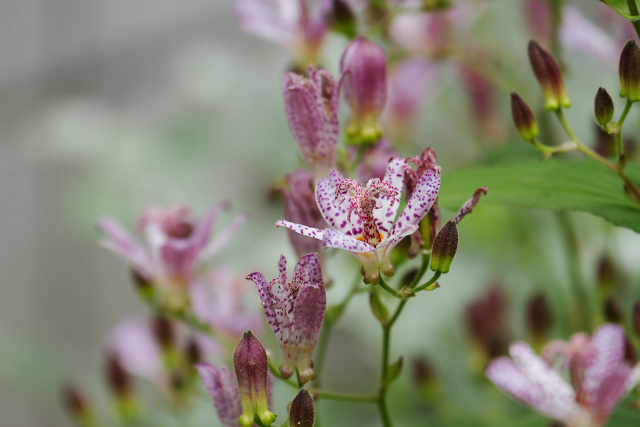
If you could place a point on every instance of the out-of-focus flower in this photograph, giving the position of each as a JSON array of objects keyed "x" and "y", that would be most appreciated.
[
  {"x": 295, "y": 310},
  {"x": 408, "y": 82},
  {"x": 364, "y": 66},
  {"x": 482, "y": 103},
  {"x": 218, "y": 299},
  {"x": 178, "y": 246},
  {"x": 300, "y": 207},
  {"x": 297, "y": 26},
  {"x": 486, "y": 323},
  {"x": 223, "y": 389},
  {"x": 251, "y": 366},
  {"x": 426, "y": 33},
  {"x": 537, "y": 16},
  {"x": 367, "y": 228},
  {"x": 77, "y": 406},
  {"x": 311, "y": 105},
  {"x": 600, "y": 376},
  {"x": 137, "y": 344}
]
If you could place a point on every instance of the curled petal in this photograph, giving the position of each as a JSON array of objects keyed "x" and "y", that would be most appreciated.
[
  {"x": 123, "y": 244},
  {"x": 302, "y": 229},
  {"x": 385, "y": 216},
  {"x": 265, "y": 298},
  {"x": 311, "y": 265},
  {"x": 308, "y": 316},
  {"x": 470, "y": 204}
]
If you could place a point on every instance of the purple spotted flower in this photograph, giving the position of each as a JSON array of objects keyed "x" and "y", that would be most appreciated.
[
  {"x": 178, "y": 245},
  {"x": 366, "y": 225},
  {"x": 295, "y": 311},
  {"x": 311, "y": 105},
  {"x": 599, "y": 376}
]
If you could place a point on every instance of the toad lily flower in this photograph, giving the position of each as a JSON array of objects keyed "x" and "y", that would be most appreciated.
[
  {"x": 311, "y": 105},
  {"x": 599, "y": 374},
  {"x": 295, "y": 311},
  {"x": 366, "y": 228},
  {"x": 178, "y": 246}
]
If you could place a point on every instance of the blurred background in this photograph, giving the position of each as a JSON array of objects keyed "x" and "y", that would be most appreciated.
[{"x": 109, "y": 106}]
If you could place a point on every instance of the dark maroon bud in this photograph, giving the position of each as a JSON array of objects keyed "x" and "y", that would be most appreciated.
[
  {"x": 612, "y": 311},
  {"x": 629, "y": 68},
  {"x": 163, "y": 332},
  {"x": 423, "y": 372},
  {"x": 193, "y": 352},
  {"x": 603, "y": 106},
  {"x": 635, "y": 319},
  {"x": 630, "y": 352},
  {"x": 523, "y": 118},
  {"x": 445, "y": 246},
  {"x": 548, "y": 74},
  {"x": 118, "y": 379},
  {"x": 74, "y": 401},
  {"x": 302, "y": 411},
  {"x": 538, "y": 316}
]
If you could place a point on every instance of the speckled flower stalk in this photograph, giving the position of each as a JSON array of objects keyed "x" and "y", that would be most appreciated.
[
  {"x": 366, "y": 228},
  {"x": 599, "y": 375},
  {"x": 548, "y": 74},
  {"x": 178, "y": 245},
  {"x": 251, "y": 366},
  {"x": 311, "y": 105},
  {"x": 295, "y": 311},
  {"x": 468, "y": 206},
  {"x": 223, "y": 389},
  {"x": 365, "y": 88}
]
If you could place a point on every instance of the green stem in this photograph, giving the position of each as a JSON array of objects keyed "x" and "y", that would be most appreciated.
[
  {"x": 633, "y": 10},
  {"x": 431, "y": 281},
  {"x": 426, "y": 258},
  {"x": 344, "y": 397},
  {"x": 388, "y": 288},
  {"x": 276, "y": 373},
  {"x": 619, "y": 147},
  {"x": 631, "y": 187}
]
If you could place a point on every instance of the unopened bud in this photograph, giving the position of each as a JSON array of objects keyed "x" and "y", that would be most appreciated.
[
  {"x": 629, "y": 68},
  {"x": 75, "y": 402},
  {"x": 548, "y": 74},
  {"x": 193, "y": 352},
  {"x": 302, "y": 411},
  {"x": 523, "y": 118},
  {"x": 445, "y": 246},
  {"x": 538, "y": 316},
  {"x": 630, "y": 355},
  {"x": 342, "y": 18},
  {"x": 251, "y": 366},
  {"x": 118, "y": 379},
  {"x": 603, "y": 106},
  {"x": 365, "y": 88},
  {"x": 612, "y": 311},
  {"x": 163, "y": 332}
]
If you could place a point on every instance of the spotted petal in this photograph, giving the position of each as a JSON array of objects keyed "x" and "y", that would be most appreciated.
[
  {"x": 301, "y": 229},
  {"x": 423, "y": 197},
  {"x": 308, "y": 316},
  {"x": 336, "y": 239},
  {"x": 387, "y": 213},
  {"x": 336, "y": 216},
  {"x": 608, "y": 342},
  {"x": 311, "y": 266},
  {"x": 265, "y": 298}
]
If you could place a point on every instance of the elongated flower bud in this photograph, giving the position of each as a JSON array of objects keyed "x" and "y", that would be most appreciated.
[
  {"x": 523, "y": 118},
  {"x": 603, "y": 106},
  {"x": 251, "y": 366},
  {"x": 302, "y": 411},
  {"x": 445, "y": 246},
  {"x": 365, "y": 88},
  {"x": 629, "y": 68},
  {"x": 548, "y": 74}
]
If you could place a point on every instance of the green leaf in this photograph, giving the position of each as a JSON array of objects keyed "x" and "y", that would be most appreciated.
[
  {"x": 622, "y": 8},
  {"x": 554, "y": 184}
]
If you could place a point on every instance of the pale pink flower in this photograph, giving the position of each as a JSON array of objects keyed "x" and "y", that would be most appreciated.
[{"x": 599, "y": 375}]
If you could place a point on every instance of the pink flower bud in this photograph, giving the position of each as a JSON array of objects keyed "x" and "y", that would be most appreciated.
[
  {"x": 365, "y": 88},
  {"x": 252, "y": 367}
]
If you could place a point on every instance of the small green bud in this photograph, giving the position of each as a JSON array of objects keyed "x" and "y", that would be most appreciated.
[
  {"x": 523, "y": 118},
  {"x": 444, "y": 247},
  {"x": 629, "y": 68},
  {"x": 548, "y": 74},
  {"x": 302, "y": 411},
  {"x": 603, "y": 106}
]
